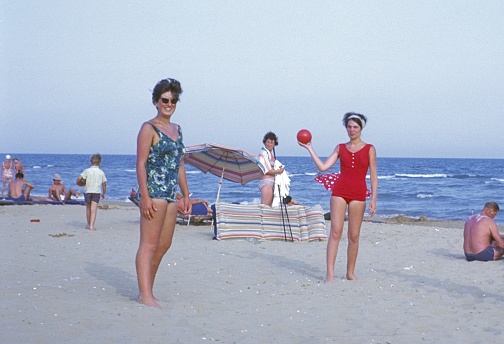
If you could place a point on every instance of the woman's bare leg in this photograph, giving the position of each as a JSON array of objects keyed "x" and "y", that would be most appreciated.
[
  {"x": 338, "y": 209},
  {"x": 151, "y": 232},
  {"x": 267, "y": 195},
  {"x": 355, "y": 214},
  {"x": 166, "y": 237}
]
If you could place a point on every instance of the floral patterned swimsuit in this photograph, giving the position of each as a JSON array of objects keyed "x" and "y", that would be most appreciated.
[{"x": 163, "y": 165}]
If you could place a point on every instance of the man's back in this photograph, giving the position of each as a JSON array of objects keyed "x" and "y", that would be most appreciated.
[
  {"x": 477, "y": 233},
  {"x": 16, "y": 188}
]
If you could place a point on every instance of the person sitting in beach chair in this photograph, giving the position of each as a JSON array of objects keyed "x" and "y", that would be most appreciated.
[{"x": 200, "y": 210}]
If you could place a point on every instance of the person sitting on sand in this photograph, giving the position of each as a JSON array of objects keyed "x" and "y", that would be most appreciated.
[
  {"x": 19, "y": 189},
  {"x": 482, "y": 240},
  {"x": 57, "y": 191},
  {"x": 180, "y": 203}
]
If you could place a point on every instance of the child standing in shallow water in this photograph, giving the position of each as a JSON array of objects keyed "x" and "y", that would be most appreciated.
[{"x": 95, "y": 187}]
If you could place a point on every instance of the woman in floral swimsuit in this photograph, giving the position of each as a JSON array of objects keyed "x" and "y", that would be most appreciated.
[
  {"x": 7, "y": 172},
  {"x": 160, "y": 169},
  {"x": 356, "y": 158}
]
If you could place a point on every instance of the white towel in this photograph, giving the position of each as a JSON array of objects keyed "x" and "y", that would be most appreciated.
[{"x": 282, "y": 185}]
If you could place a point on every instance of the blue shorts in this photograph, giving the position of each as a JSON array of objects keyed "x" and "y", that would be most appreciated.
[
  {"x": 92, "y": 197},
  {"x": 484, "y": 256},
  {"x": 21, "y": 198}
]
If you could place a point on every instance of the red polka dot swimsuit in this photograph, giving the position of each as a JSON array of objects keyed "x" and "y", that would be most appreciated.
[{"x": 351, "y": 182}]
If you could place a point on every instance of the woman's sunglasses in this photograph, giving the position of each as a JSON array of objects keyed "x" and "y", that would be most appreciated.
[{"x": 173, "y": 101}]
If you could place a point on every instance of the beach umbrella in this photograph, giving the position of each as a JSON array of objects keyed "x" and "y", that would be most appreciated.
[{"x": 228, "y": 163}]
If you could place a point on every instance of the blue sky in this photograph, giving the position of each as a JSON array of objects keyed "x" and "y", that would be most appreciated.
[{"x": 76, "y": 76}]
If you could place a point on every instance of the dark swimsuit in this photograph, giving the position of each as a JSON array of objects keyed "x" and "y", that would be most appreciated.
[
  {"x": 21, "y": 198},
  {"x": 487, "y": 254},
  {"x": 163, "y": 165},
  {"x": 484, "y": 256}
]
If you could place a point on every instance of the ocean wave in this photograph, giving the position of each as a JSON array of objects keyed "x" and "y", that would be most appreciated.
[
  {"x": 465, "y": 176},
  {"x": 500, "y": 180},
  {"x": 130, "y": 170},
  {"x": 410, "y": 175},
  {"x": 384, "y": 177},
  {"x": 424, "y": 195},
  {"x": 42, "y": 166},
  {"x": 295, "y": 174}
]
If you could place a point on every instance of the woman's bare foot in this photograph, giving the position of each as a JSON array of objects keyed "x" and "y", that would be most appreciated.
[
  {"x": 149, "y": 303},
  {"x": 350, "y": 276},
  {"x": 329, "y": 279},
  {"x": 92, "y": 228}
]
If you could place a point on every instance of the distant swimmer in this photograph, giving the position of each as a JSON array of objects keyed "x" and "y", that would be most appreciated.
[{"x": 482, "y": 240}]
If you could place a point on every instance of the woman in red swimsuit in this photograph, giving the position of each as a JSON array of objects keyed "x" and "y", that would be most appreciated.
[{"x": 356, "y": 158}]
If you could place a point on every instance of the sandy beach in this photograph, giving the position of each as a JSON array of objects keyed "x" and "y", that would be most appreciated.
[{"x": 62, "y": 283}]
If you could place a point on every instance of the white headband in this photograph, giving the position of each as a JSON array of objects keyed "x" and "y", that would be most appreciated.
[{"x": 363, "y": 121}]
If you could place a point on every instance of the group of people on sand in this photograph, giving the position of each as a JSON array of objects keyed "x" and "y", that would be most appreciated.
[
  {"x": 19, "y": 189},
  {"x": 93, "y": 179},
  {"x": 161, "y": 172},
  {"x": 160, "y": 169}
]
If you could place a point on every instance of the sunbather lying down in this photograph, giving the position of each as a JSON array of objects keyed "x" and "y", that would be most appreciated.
[{"x": 199, "y": 206}]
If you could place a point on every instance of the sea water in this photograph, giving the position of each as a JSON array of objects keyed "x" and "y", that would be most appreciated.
[{"x": 443, "y": 189}]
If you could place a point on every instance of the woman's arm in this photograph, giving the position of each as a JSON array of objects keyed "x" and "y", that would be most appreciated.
[
  {"x": 184, "y": 188},
  {"x": 373, "y": 175},
  {"x": 321, "y": 165},
  {"x": 144, "y": 143}
]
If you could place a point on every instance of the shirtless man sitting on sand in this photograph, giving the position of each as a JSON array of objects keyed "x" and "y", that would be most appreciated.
[
  {"x": 482, "y": 240},
  {"x": 57, "y": 191},
  {"x": 19, "y": 189}
]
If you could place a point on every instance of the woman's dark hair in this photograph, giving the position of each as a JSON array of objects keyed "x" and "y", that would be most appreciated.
[
  {"x": 271, "y": 136},
  {"x": 166, "y": 85},
  {"x": 358, "y": 118}
]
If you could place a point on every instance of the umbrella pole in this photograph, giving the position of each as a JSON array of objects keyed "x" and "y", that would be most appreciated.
[{"x": 220, "y": 183}]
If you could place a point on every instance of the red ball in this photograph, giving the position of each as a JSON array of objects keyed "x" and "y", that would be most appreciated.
[{"x": 304, "y": 136}]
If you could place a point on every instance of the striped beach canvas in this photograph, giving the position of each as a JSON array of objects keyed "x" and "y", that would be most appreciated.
[{"x": 264, "y": 222}]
